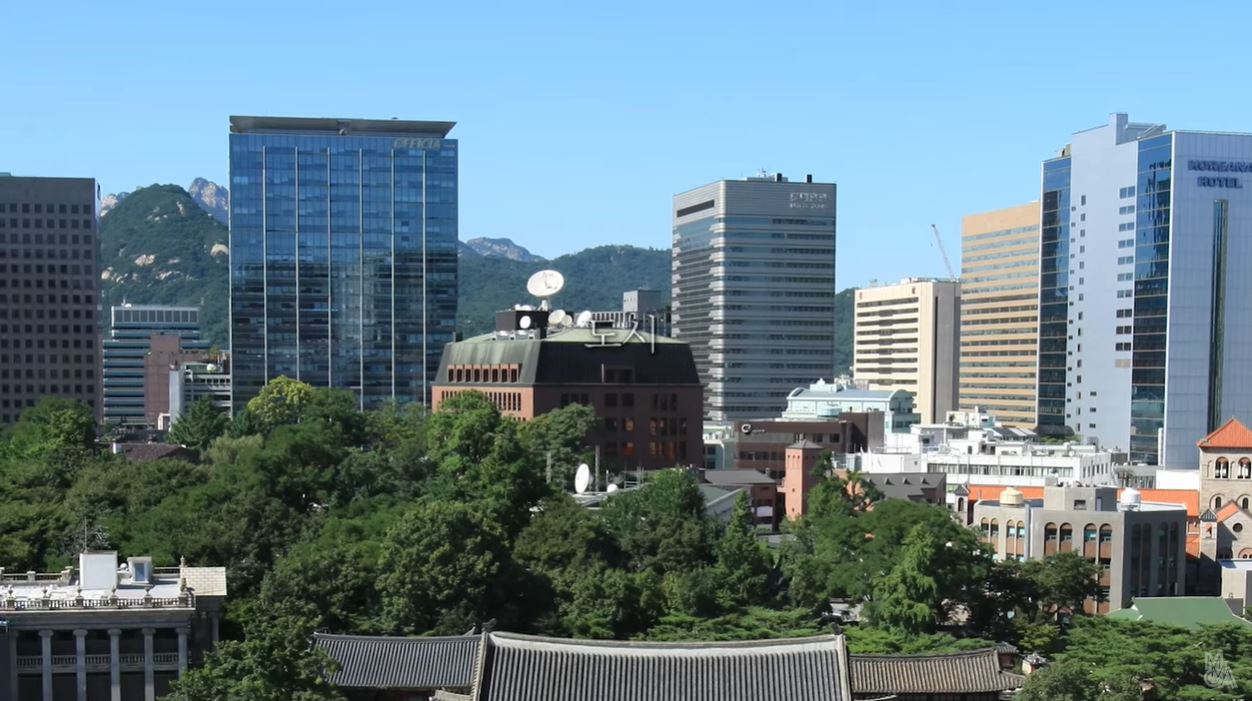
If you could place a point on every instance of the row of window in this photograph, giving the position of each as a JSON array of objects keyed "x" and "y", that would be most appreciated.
[
  {"x": 1221, "y": 469},
  {"x": 49, "y": 208},
  {"x": 484, "y": 373},
  {"x": 46, "y": 223}
]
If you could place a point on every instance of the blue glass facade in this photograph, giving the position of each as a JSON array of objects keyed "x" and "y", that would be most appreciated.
[
  {"x": 1053, "y": 293},
  {"x": 1152, "y": 234},
  {"x": 343, "y": 255}
]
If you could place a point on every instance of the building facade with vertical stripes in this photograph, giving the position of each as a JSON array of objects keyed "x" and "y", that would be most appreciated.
[
  {"x": 1145, "y": 342},
  {"x": 343, "y": 243},
  {"x": 1000, "y": 313}
]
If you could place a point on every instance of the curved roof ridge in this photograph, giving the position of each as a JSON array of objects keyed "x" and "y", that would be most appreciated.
[
  {"x": 497, "y": 636},
  {"x": 992, "y": 649},
  {"x": 393, "y": 638}
]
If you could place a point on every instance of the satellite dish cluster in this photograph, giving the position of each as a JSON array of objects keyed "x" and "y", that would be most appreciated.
[{"x": 545, "y": 284}]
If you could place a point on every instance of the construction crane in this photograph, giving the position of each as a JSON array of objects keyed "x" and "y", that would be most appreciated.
[{"x": 939, "y": 242}]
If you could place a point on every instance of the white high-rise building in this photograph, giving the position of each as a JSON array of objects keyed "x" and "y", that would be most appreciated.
[
  {"x": 754, "y": 290},
  {"x": 1145, "y": 337}
]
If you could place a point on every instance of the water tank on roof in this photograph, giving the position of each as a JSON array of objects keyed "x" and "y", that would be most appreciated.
[
  {"x": 1130, "y": 500},
  {"x": 1012, "y": 497}
]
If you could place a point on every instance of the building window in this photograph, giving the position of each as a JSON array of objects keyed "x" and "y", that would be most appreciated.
[
  {"x": 1245, "y": 469},
  {"x": 1222, "y": 469}
]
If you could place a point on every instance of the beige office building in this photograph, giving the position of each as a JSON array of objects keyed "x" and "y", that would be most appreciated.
[
  {"x": 906, "y": 338},
  {"x": 1000, "y": 313}
]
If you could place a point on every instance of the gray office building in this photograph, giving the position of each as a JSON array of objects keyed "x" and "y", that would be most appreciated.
[
  {"x": 128, "y": 345},
  {"x": 754, "y": 289},
  {"x": 343, "y": 244},
  {"x": 49, "y": 292}
]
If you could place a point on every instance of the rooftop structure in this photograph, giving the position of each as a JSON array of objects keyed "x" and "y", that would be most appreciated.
[
  {"x": 821, "y": 400},
  {"x": 973, "y": 448}
]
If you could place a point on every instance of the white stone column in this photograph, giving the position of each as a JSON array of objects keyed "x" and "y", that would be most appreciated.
[
  {"x": 182, "y": 651},
  {"x": 149, "y": 684},
  {"x": 80, "y": 663},
  {"x": 115, "y": 664},
  {"x": 46, "y": 667}
]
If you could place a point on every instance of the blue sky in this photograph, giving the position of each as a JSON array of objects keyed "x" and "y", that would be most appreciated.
[{"x": 579, "y": 121}]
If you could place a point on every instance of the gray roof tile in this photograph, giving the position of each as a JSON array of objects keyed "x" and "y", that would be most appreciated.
[
  {"x": 382, "y": 662},
  {"x": 976, "y": 671},
  {"x": 520, "y": 667}
]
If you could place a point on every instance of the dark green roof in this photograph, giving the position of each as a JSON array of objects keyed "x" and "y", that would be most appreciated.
[{"x": 575, "y": 356}]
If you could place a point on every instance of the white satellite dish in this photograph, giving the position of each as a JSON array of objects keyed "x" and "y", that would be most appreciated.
[
  {"x": 567, "y": 322},
  {"x": 613, "y": 488},
  {"x": 582, "y": 479},
  {"x": 524, "y": 321},
  {"x": 556, "y": 317},
  {"x": 545, "y": 283},
  {"x": 584, "y": 319}
]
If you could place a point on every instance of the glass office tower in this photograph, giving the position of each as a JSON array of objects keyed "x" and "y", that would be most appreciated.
[
  {"x": 1145, "y": 266},
  {"x": 343, "y": 242}
]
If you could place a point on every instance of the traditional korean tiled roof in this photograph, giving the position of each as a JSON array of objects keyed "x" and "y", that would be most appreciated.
[
  {"x": 523, "y": 668},
  {"x": 974, "y": 672},
  {"x": 1231, "y": 434},
  {"x": 409, "y": 663}
]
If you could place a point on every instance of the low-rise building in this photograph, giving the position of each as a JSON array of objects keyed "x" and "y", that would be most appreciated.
[
  {"x": 762, "y": 444},
  {"x": 1139, "y": 546},
  {"x": 821, "y": 401},
  {"x": 191, "y": 381},
  {"x": 975, "y": 675},
  {"x": 104, "y": 631},
  {"x": 972, "y": 448},
  {"x": 643, "y": 388}
]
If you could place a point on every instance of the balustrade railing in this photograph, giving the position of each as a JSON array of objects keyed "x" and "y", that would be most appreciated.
[{"x": 9, "y": 603}]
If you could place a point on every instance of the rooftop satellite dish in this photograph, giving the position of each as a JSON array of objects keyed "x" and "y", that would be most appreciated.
[
  {"x": 612, "y": 488},
  {"x": 524, "y": 321},
  {"x": 556, "y": 317},
  {"x": 545, "y": 283},
  {"x": 582, "y": 479},
  {"x": 584, "y": 319}
]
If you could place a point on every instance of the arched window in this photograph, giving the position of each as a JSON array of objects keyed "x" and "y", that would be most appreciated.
[
  {"x": 1049, "y": 533},
  {"x": 1243, "y": 503},
  {"x": 986, "y": 528},
  {"x": 1067, "y": 537},
  {"x": 1106, "y": 534},
  {"x": 1217, "y": 503},
  {"x": 1089, "y": 532},
  {"x": 1222, "y": 469},
  {"x": 1245, "y": 468},
  {"x": 995, "y": 529}
]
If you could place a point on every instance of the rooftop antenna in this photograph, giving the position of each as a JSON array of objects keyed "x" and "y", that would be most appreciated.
[
  {"x": 557, "y": 317},
  {"x": 544, "y": 284},
  {"x": 582, "y": 479}
]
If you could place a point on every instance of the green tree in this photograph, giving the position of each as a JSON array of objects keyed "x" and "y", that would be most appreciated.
[
  {"x": 743, "y": 567},
  {"x": 662, "y": 526},
  {"x": 442, "y": 569},
  {"x": 903, "y": 599},
  {"x": 273, "y": 663},
  {"x": 279, "y": 402},
  {"x": 1060, "y": 681},
  {"x": 559, "y": 438},
  {"x": 1062, "y": 582},
  {"x": 199, "y": 427}
]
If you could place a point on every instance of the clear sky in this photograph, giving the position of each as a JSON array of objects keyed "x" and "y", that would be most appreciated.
[{"x": 579, "y": 121}]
